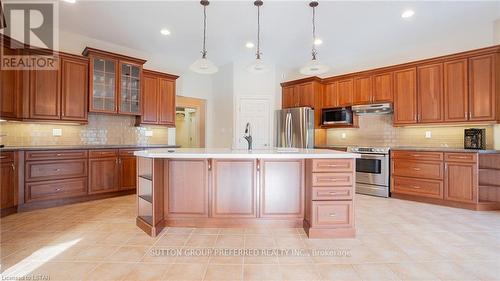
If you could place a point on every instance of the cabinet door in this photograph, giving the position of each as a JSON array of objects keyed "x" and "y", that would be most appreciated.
[
  {"x": 187, "y": 188},
  {"x": 461, "y": 183},
  {"x": 306, "y": 95},
  {"x": 103, "y": 88},
  {"x": 430, "y": 93},
  {"x": 10, "y": 91},
  {"x": 288, "y": 98},
  {"x": 127, "y": 172},
  {"x": 362, "y": 90},
  {"x": 8, "y": 185},
  {"x": 45, "y": 94},
  {"x": 150, "y": 102},
  {"x": 405, "y": 96},
  {"x": 74, "y": 92},
  {"x": 345, "y": 92},
  {"x": 130, "y": 89},
  {"x": 166, "y": 106},
  {"x": 383, "y": 87},
  {"x": 103, "y": 175},
  {"x": 234, "y": 188},
  {"x": 482, "y": 88},
  {"x": 330, "y": 96},
  {"x": 456, "y": 97},
  {"x": 282, "y": 189}
]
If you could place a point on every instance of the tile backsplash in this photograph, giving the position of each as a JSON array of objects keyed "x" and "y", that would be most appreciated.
[
  {"x": 101, "y": 129},
  {"x": 377, "y": 130}
]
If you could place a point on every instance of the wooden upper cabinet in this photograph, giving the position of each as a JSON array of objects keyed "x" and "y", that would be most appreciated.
[
  {"x": 383, "y": 87},
  {"x": 74, "y": 91},
  {"x": 103, "y": 80},
  {"x": 456, "y": 96},
  {"x": 482, "y": 91},
  {"x": 345, "y": 92},
  {"x": 330, "y": 95},
  {"x": 288, "y": 98},
  {"x": 362, "y": 90},
  {"x": 10, "y": 89},
  {"x": 405, "y": 96},
  {"x": 44, "y": 94},
  {"x": 129, "y": 98},
  {"x": 306, "y": 94},
  {"x": 166, "y": 110},
  {"x": 150, "y": 103},
  {"x": 430, "y": 93}
]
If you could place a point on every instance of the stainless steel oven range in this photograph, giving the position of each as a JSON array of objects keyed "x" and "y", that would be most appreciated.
[{"x": 372, "y": 170}]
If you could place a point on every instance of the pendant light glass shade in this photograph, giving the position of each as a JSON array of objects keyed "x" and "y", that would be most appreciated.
[
  {"x": 314, "y": 66},
  {"x": 203, "y": 65},
  {"x": 258, "y": 66}
]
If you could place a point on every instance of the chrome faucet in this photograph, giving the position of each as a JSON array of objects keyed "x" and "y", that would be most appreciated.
[{"x": 248, "y": 136}]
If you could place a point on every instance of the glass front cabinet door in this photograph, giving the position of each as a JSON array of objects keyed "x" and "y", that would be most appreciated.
[
  {"x": 130, "y": 89},
  {"x": 103, "y": 95}
]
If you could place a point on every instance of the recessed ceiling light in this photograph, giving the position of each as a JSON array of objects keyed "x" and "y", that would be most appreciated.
[
  {"x": 407, "y": 14},
  {"x": 165, "y": 31},
  {"x": 249, "y": 45},
  {"x": 318, "y": 41},
  {"x": 70, "y": 1}
]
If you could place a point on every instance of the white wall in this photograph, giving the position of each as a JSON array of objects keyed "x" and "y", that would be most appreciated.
[{"x": 223, "y": 106}]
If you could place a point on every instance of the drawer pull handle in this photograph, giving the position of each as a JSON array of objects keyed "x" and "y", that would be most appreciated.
[
  {"x": 3, "y": 157},
  {"x": 58, "y": 154},
  {"x": 416, "y": 186},
  {"x": 57, "y": 170},
  {"x": 329, "y": 179},
  {"x": 334, "y": 192},
  {"x": 460, "y": 157},
  {"x": 332, "y": 215},
  {"x": 416, "y": 169},
  {"x": 13, "y": 166},
  {"x": 58, "y": 189},
  {"x": 329, "y": 165}
]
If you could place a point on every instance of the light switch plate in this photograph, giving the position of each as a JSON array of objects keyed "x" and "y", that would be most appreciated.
[
  {"x": 149, "y": 133},
  {"x": 428, "y": 134},
  {"x": 56, "y": 132}
]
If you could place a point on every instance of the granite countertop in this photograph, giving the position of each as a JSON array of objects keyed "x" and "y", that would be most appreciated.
[
  {"x": 444, "y": 149},
  {"x": 83, "y": 146}
]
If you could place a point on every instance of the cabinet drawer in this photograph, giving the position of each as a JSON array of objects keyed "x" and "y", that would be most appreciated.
[
  {"x": 332, "y": 179},
  {"x": 461, "y": 157},
  {"x": 427, "y": 188},
  {"x": 414, "y": 169},
  {"x": 55, "y": 154},
  {"x": 329, "y": 214},
  {"x": 55, "y": 189},
  {"x": 418, "y": 155},
  {"x": 332, "y": 165},
  {"x": 52, "y": 170},
  {"x": 127, "y": 152},
  {"x": 7, "y": 156},
  {"x": 332, "y": 193},
  {"x": 103, "y": 153}
]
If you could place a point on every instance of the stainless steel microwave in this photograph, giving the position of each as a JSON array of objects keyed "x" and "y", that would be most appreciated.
[{"x": 332, "y": 116}]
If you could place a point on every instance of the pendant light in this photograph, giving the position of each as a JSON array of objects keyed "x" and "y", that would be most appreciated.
[
  {"x": 258, "y": 65},
  {"x": 203, "y": 65},
  {"x": 314, "y": 66},
  {"x": 3, "y": 24}
]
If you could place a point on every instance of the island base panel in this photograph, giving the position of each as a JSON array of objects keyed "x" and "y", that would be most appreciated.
[
  {"x": 328, "y": 233},
  {"x": 234, "y": 222}
]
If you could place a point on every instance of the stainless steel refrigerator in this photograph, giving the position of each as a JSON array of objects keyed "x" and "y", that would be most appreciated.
[{"x": 295, "y": 127}]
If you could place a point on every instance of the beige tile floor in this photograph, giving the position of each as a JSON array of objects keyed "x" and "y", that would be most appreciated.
[{"x": 396, "y": 240}]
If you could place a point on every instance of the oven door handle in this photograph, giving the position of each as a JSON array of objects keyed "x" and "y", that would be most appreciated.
[{"x": 375, "y": 157}]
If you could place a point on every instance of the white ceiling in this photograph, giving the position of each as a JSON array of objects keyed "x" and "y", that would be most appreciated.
[{"x": 355, "y": 34}]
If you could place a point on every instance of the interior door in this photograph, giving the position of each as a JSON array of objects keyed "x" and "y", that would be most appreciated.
[{"x": 255, "y": 111}]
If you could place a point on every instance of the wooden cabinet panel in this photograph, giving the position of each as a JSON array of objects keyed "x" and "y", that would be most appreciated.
[
  {"x": 289, "y": 97},
  {"x": 332, "y": 179},
  {"x": 363, "y": 90},
  {"x": 282, "y": 189},
  {"x": 187, "y": 188},
  {"x": 44, "y": 98},
  {"x": 383, "y": 87},
  {"x": 430, "y": 93},
  {"x": 151, "y": 101},
  {"x": 306, "y": 94},
  {"x": 456, "y": 95},
  {"x": 55, "y": 154},
  {"x": 330, "y": 98},
  {"x": 482, "y": 97},
  {"x": 345, "y": 92},
  {"x": 57, "y": 189},
  {"x": 55, "y": 169},
  {"x": 328, "y": 214},
  {"x": 420, "y": 187},
  {"x": 10, "y": 89},
  {"x": 461, "y": 182},
  {"x": 405, "y": 96},
  {"x": 103, "y": 174},
  {"x": 99, "y": 153},
  {"x": 461, "y": 157},
  {"x": 74, "y": 91},
  {"x": 234, "y": 188},
  {"x": 333, "y": 165},
  {"x": 8, "y": 185},
  {"x": 414, "y": 169},
  {"x": 128, "y": 172},
  {"x": 418, "y": 155},
  {"x": 332, "y": 193},
  {"x": 166, "y": 106}
]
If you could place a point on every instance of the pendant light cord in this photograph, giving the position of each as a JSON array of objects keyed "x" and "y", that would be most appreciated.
[
  {"x": 258, "y": 33},
  {"x": 314, "y": 52},
  {"x": 204, "y": 51}
]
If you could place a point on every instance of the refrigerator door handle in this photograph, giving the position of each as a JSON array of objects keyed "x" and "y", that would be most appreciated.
[
  {"x": 290, "y": 132},
  {"x": 286, "y": 129}
]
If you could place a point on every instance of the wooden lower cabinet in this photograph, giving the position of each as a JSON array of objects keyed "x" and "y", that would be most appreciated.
[
  {"x": 103, "y": 174},
  {"x": 57, "y": 189},
  {"x": 419, "y": 187},
  {"x": 328, "y": 214},
  {"x": 127, "y": 172},
  {"x": 461, "y": 182},
  {"x": 8, "y": 182},
  {"x": 282, "y": 189}
]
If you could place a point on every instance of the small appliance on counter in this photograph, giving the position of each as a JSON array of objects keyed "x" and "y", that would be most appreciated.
[{"x": 475, "y": 138}]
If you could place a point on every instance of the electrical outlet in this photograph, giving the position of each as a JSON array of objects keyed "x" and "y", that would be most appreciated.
[
  {"x": 343, "y": 136},
  {"x": 56, "y": 132},
  {"x": 428, "y": 134},
  {"x": 149, "y": 133}
]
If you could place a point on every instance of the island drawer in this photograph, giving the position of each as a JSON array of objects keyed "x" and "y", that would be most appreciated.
[
  {"x": 332, "y": 179},
  {"x": 332, "y": 193},
  {"x": 7, "y": 156},
  {"x": 461, "y": 157},
  {"x": 332, "y": 165},
  {"x": 415, "y": 169},
  {"x": 56, "y": 189},
  {"x": 52, "y": 170},
  {"x": 420, "y": 187},
  {"x": 103, "y": 153},
  {"x": 127, "y": 152},
  {"x": 328, "y": 214},
  {"x": 418, "y": 155},
  {"x": 55, "y": 154}
]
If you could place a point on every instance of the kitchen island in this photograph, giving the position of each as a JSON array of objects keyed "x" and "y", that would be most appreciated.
[{"x": 310, "y": 188}]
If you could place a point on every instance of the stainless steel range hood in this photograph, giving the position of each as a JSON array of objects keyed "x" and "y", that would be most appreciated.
[{"x": 382, "y": 108}]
